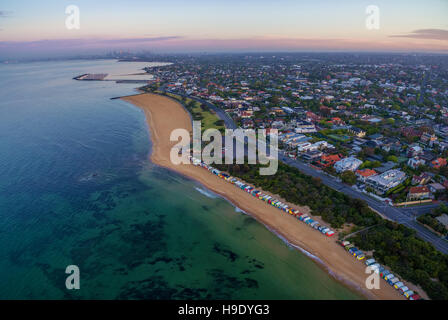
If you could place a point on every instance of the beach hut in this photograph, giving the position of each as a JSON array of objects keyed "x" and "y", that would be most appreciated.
[
  {"x": 347, "y": 247},
  {"x": 403, "y": 289},
  {"x": 345, "y": 243},
  {"x": 368, "y": 262},
  {"x": 375, "y": 267},
  {"x": 358, "y": 253},
  {"x": 389, "y": 276},
  {"x": 408, "y": 293},
  {"x": 398, "y": 285},
  {"x": 384, "y": 273},
  {"x": 415, "y": 297},
  {"x": 392, "y": 281}
]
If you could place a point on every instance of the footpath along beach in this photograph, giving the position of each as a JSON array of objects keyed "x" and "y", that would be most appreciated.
[{"x": 164, "y": 115}]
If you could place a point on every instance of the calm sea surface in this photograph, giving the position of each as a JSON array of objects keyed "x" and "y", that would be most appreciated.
[{"x": 76, "y": 187}]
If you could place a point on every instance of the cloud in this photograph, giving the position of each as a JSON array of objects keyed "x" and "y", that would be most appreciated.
[
  {"x": 86, "y": 43},
  {"x": 433, "y": 34},
  {"x": 134, "y": 40},
  {"x": 158, "y": 43},
  {"x": 4, "y": 14}
]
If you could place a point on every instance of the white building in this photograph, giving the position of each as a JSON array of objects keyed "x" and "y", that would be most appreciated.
[
  {"x": 415, "y": 162},
  {"x": 350, "y": 163},
  {"x": 319, "y": 145},
  {"x": 385, "y": 181},
  {"x": 305, "y": 127}
]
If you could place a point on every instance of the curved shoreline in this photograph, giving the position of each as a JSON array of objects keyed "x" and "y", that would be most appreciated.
[{"x": 163, "y": 115}]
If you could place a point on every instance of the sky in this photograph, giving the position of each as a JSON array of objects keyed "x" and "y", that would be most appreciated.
[{"x": 38, "y": 28}]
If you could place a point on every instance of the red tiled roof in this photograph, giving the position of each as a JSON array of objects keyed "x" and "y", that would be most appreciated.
[
  {"x": 418, "y": 190},
  {"x": 366, "y": 172},
  {"x": 440, "y": 162},
  {"x": 331, "y": 157}
]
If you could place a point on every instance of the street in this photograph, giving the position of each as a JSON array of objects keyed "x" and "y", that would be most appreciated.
[{"x": 405, "y": 216}]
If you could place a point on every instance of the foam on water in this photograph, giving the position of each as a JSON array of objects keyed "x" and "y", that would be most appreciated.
[{"x": 207, "y": 193}]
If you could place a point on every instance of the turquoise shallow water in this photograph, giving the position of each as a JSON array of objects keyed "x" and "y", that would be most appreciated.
[{"x": 76, "y": 187}]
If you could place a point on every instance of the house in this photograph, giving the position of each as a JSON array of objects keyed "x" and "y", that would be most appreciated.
[
  {"x": 386, "y": 167},
  {"x": 428, "y": 138},
  {"x": 427, "y": 156},
  {"x": 350, "y": 163},
  {"x": 364, "y": 174},
  {"x": 376, "y": 136},
  {"x": 328, "y": 160},
  {"x": 410, "y": 132},
  {"x": 391, "y": 144},
  {"x": 319, "y": 145},
  {"x": 305, "y": 127},
  {"x": 443, "y": 145},
  {"x": 421, "y": 179},
  {"x": 415, "y": 162},
  {"x": 312, "y": 155},
  {"x": 278, "y": 124},
  {"x": 385, "y": 181},
  {"x": 436, "y": 187},
  {"x": 418, "y": 193},
  {"x": 357, "y": 132},
  {"x": 414, "y": 150},
  {"x": 438, "y": 163},
  {"x": 310, "y": 116},
  {"x": 302, "y": 147},
  {"x": 247, "y": 123}
]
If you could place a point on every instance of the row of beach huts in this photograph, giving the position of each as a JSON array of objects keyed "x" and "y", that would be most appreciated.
[
  {"x": 390, "y": 278},
  {"x": 266, "y": 198},
  {"x": 385, "y": 274}
]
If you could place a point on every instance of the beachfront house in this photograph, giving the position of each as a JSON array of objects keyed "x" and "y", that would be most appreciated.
[
  {"x": 347, "y": 164},
  {"x": 418, "y": 193},
  {"x": 385, "y": 181}
]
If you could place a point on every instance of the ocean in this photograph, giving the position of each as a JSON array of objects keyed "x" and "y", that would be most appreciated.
[{"x": 77, "y": 188}]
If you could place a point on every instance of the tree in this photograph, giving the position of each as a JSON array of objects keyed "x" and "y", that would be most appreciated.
[
  {"x": 348, "y": 177},
  {"x": 392, "y": 158}
]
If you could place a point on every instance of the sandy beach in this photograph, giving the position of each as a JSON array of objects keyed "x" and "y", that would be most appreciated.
[{"x": 164, "y": 115}]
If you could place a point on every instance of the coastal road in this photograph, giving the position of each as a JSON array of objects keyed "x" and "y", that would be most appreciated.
[
  {"x": 405, "y": 216},
  {"x": 228, "y": 121}
]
